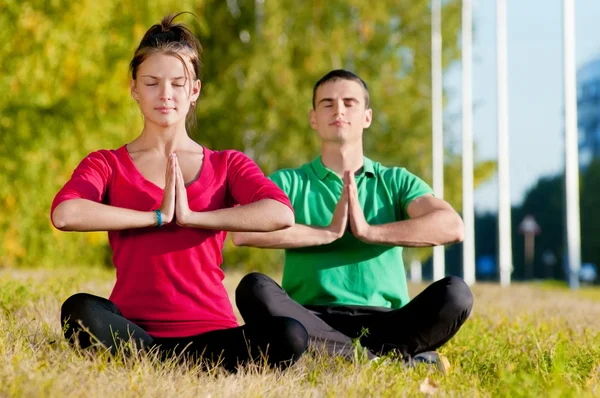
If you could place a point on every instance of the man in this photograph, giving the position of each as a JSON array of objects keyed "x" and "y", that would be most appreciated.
[{"x": 343, "y": 276}]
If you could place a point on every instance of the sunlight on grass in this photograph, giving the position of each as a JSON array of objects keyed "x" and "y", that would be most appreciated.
[{"x": 526, "y": 340}]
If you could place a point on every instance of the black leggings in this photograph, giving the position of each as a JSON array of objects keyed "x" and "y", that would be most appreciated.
[
  {"x": 425, "y": 323},
  {"x": 280, "y": 341}
]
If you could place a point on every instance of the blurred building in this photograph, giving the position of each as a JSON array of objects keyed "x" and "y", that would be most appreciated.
[{"x": 588, "y": 111}]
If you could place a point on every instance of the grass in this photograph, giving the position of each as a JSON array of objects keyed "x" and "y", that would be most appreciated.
[{"x": 525, "y": 340}]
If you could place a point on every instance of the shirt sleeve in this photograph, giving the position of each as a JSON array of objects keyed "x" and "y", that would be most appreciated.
[
  {"x": 89, "y": 180},
  {"x": 409, "y": 188},
  {"x": 248, "y": 184},
  {"x": 281, "y": 178}
]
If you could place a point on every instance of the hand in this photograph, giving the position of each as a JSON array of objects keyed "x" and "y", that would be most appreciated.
[
  {"x": 167, "y": 207},
  {"x": 339, "y": 220},
  {"x": 182, "y": 208},
  {"x": 356, "y": 217}
]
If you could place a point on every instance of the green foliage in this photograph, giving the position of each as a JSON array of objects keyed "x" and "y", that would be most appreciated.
[{"x": 65, "y": 70}]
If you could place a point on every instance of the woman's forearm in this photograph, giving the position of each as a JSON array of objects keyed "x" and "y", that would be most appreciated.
[
  {"x": 262, "y": 216},
  {"x": 85, "y": 215}
]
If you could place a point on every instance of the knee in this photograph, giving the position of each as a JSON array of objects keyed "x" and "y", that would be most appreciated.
[
  {"x": 73, "y": 316},
  {"x": 293, "y": 336},
  {"x": 81, "y": 309},
  {"x": 75, "y": 306},
  {"x": 458, "y": 294},
  {"x": 251, "y": 287}
]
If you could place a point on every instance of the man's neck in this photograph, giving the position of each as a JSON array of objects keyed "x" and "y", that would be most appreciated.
[{"x": 339, "y": 158}]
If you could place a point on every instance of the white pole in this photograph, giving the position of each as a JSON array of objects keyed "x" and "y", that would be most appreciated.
[
  {"x": 437, "y": 127},
  {"x": 504, "y": 210},
  {"x": 467, "y": 145},
  {"x": 415, "y": 270},
  {"x": 571, "y": 145}
]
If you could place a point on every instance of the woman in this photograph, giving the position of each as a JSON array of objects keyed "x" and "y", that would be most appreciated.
[{"x": 166, "y": 228}]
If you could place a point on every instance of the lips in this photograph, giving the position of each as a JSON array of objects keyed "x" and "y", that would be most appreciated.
[
  {"x": 164, "y": 109},
  {"x": 338, "y": 123}
]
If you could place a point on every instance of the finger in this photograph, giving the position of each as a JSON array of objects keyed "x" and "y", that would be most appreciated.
[
  {"x": 352, "y": 201},
  {"x": 168, "y": 173},
  {"x": 351, "y": 189},
  {"x": 168, "y": 170},
  {"x": 351, "y": 179},
  {"x": 173, "y": 171},
  {"x": 343, "y": 192},
  {"x": 346, "y": 177},
  {"x": 176, "y": 171},
  {"x": 180, "y": 180}
]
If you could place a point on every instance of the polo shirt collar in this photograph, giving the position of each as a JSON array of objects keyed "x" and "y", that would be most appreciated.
[{"x": 321, "y": 171}]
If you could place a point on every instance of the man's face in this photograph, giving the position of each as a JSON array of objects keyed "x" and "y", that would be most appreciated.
[{"x": 340, "y": 113}]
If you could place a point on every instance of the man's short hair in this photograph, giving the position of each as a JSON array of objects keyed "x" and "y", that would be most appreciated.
[{"x": 341, "y": 74}]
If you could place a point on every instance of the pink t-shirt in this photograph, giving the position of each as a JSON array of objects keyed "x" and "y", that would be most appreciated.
[{"x": 168, "y": 279}]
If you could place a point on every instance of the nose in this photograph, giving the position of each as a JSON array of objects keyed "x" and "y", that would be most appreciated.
[
  {"x": 339, "y": 108},
  {"x": 165, "y": 92}
]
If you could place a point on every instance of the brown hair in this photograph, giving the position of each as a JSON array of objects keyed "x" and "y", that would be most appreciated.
[
  {"x": 341, "y": 74},
  {"x": 171, "y": 39}
]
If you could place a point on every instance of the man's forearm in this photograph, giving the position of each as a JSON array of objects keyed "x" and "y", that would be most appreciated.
[
  {"x": 439, "y": 227},
  {"x": 296, "y": 236}
]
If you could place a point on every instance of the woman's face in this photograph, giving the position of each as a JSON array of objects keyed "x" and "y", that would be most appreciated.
[{"x": 163, "y": 90}]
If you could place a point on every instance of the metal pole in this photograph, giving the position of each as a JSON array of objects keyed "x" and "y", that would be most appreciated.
[
  {"x": 571, "y": 145},
  {"x": 467, "y": 145},
  {"x": 504, "y": 209},
  {"x": 437, "y": 127},
  {"x": 415, "y": 270}
]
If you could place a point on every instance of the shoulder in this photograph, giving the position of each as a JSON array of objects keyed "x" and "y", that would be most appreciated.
[
  {"x": 291, "y": 177},
  {"x": 227, "y": 156},
  {"x": 102, "y": 158},
  {"x": 401, "y": 180},
  {"x": 391, "y": 174},
  {"x": 108, "y": 155}
]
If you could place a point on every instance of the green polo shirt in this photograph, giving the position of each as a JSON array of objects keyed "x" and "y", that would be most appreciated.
[{"x": 348, "y": 271}]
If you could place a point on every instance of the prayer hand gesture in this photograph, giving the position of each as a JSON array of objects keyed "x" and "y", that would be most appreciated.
[
  {"x": 182, "y": 207},
  {"x": 356, "y": 216},
  {"x": 167, "y": 207},
  {"x": 339, "y": 220}
]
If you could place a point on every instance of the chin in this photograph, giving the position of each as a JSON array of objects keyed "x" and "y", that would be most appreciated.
[{"x": 167, "y": 122}]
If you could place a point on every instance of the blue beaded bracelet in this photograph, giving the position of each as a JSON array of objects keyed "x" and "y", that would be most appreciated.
[{"x": 158, "y": 218}]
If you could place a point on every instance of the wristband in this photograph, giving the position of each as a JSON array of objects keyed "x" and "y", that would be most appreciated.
[{"x": 158, "y": 218}]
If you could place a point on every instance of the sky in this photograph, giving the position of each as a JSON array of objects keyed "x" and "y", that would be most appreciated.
[{"x": 535, "y": 89}]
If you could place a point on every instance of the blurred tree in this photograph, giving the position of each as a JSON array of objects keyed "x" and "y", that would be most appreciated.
[
  {"x": 261, "y": 70},
  {"x": 65, "y": 72},
  {"x": 545, "y": 201}
]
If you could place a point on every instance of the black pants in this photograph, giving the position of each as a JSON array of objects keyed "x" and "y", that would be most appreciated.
[
  {"x": 281, "y": 340},
  {"x": 424, "y": 324}
]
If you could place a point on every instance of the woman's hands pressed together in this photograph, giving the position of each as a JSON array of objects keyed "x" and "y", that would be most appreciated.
[{"x": 174, "y": 205}]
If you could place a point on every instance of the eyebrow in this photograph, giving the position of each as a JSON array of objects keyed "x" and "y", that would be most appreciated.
[
  {"x": 348, "y": 99},
  {"x": 157, "y": 78}
]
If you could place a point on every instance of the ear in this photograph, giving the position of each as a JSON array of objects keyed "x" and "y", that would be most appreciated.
[
  {"x": 133, "y": 90},
  {"x": 313, "y": 119},
  {"x": 368, "y": 118},
  {"x": 196, "y": 86}
]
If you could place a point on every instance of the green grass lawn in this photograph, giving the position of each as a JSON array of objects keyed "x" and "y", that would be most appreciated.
[{"x": 525, "y": 340}]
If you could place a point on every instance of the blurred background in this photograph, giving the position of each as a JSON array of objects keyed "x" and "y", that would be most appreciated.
[{"x": 64, "y": 87}]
